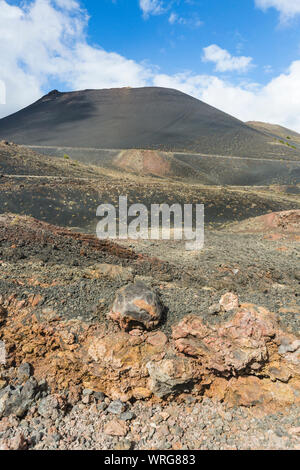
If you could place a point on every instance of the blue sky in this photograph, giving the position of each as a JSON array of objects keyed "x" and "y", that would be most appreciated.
[
  {"x": 235, "y": 25},
  {"x": 242, "y": 56}
]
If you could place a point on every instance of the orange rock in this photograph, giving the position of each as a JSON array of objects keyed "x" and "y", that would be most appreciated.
[
  {"x": 158, "y": 338},
  {"x": 166, "y": 375},
  {"x": 176, "y": 446},
  {"x": 116, "y": 428},
  {"x": 141, "y": 392},
  {"x": 36, "y": 300}
]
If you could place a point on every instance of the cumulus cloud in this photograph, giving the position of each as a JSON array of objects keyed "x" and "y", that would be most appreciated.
[
  {"x": 224, "y": 61},
  {"x": 287, "y": 8},
  {"x": 151, "y": 7},
  {"x": 45, "y": 40},
  {"x": 277, "y": 102},
  {"x": 2, "y": 92}
]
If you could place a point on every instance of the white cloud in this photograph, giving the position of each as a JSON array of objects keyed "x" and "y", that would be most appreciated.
[
  {"x": 287, "y": 8},
  {"x": 41, "y": 42},
  {"x": 2, "y": 92},
  {"x": 45, "y": 40},
  {"x": 173, "y": 18},
  {"x": 192, "y": 22},
  {"x": 224, "y": 61},
  {"x": 277, "y": 102},
  {"x": 151, "y": 7}
]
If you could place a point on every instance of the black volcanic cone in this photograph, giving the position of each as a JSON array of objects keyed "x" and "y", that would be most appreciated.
[{"x": 148, "y": 118}]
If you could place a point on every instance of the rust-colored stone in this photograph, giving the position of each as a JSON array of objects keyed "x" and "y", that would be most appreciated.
[
  {"x": 136, "y": 305},
  {"x": 238, "y": 345}
]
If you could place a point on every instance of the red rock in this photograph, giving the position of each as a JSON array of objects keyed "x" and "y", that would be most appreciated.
[
  {"x": 157, "y": 339},
  {"x": 231, "y": 347},
  {"x": 116, "y": 428}
]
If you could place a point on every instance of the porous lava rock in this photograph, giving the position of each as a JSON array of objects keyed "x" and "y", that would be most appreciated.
[
  {"x": 235, "y": 346},
  {"x": 136, "y": 305},
  {"x": 170, "y": 375}
]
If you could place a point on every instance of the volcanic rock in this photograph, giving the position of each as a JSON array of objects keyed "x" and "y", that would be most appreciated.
[
  {"x": 237, "y": 345},
  {"x": 119, "y": 362},
  {"x": 157, "y": 338},
  {"x": 18, "y": 442},
  {"x": 116, "y": 407},
  {"x": 167, "y": 375},
  {"x": 17, "y": 401},
  {"x": 116, "y": 428},
  {"x": 51, "y": 407},
  {"x": 136, "y": 305},
  {"x": 110, "y": 270},
  {"x": 24, "y": 371},
  {"x": 229, "y": 301}
]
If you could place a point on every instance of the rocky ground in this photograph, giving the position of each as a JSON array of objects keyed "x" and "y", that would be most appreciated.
[
  {"x": 222, "y": 360},
  {"x": 97, "y": 423},
  {"x": 65, "y": 192},
  {"x": 141, "y": 344}
]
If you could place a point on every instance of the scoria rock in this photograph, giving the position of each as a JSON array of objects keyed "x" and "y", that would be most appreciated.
[
  {"x": 136, "y": 305},
  {"x": 168, "y": 374},
  {"x": 17, "y": 401},
  {"x": 119, "y": 360},
  {"x": 24, "y": 371},
  {"x": 116, "y": 428},
  {"x": 239, "y": 344}
]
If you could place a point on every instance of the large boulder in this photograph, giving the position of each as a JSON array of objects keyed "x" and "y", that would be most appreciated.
[{"x": 136, "y": 305}]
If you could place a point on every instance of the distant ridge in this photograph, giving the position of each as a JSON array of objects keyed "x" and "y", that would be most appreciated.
[
  {"x": 137, "y": 118},
  {"x": 275, "y": 130}
]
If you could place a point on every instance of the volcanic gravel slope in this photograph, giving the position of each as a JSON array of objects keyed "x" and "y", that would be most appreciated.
[
  {"x": 67, "y": 193},
  {"x": 280, "y": 132},
  {"x": 148, "y": 118},
  {"x": 55, "y": 274},
  {"x": 57, "y": 286}
]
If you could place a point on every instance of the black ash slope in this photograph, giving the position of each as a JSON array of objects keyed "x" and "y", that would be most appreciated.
[{"x": 149, "y": 118}]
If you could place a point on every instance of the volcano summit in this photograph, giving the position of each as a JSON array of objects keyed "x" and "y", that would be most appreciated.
[{"x": 142, "y": 118}]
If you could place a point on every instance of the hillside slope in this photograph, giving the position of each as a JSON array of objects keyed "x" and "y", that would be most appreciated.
[{"x": 144, "y": 118}]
